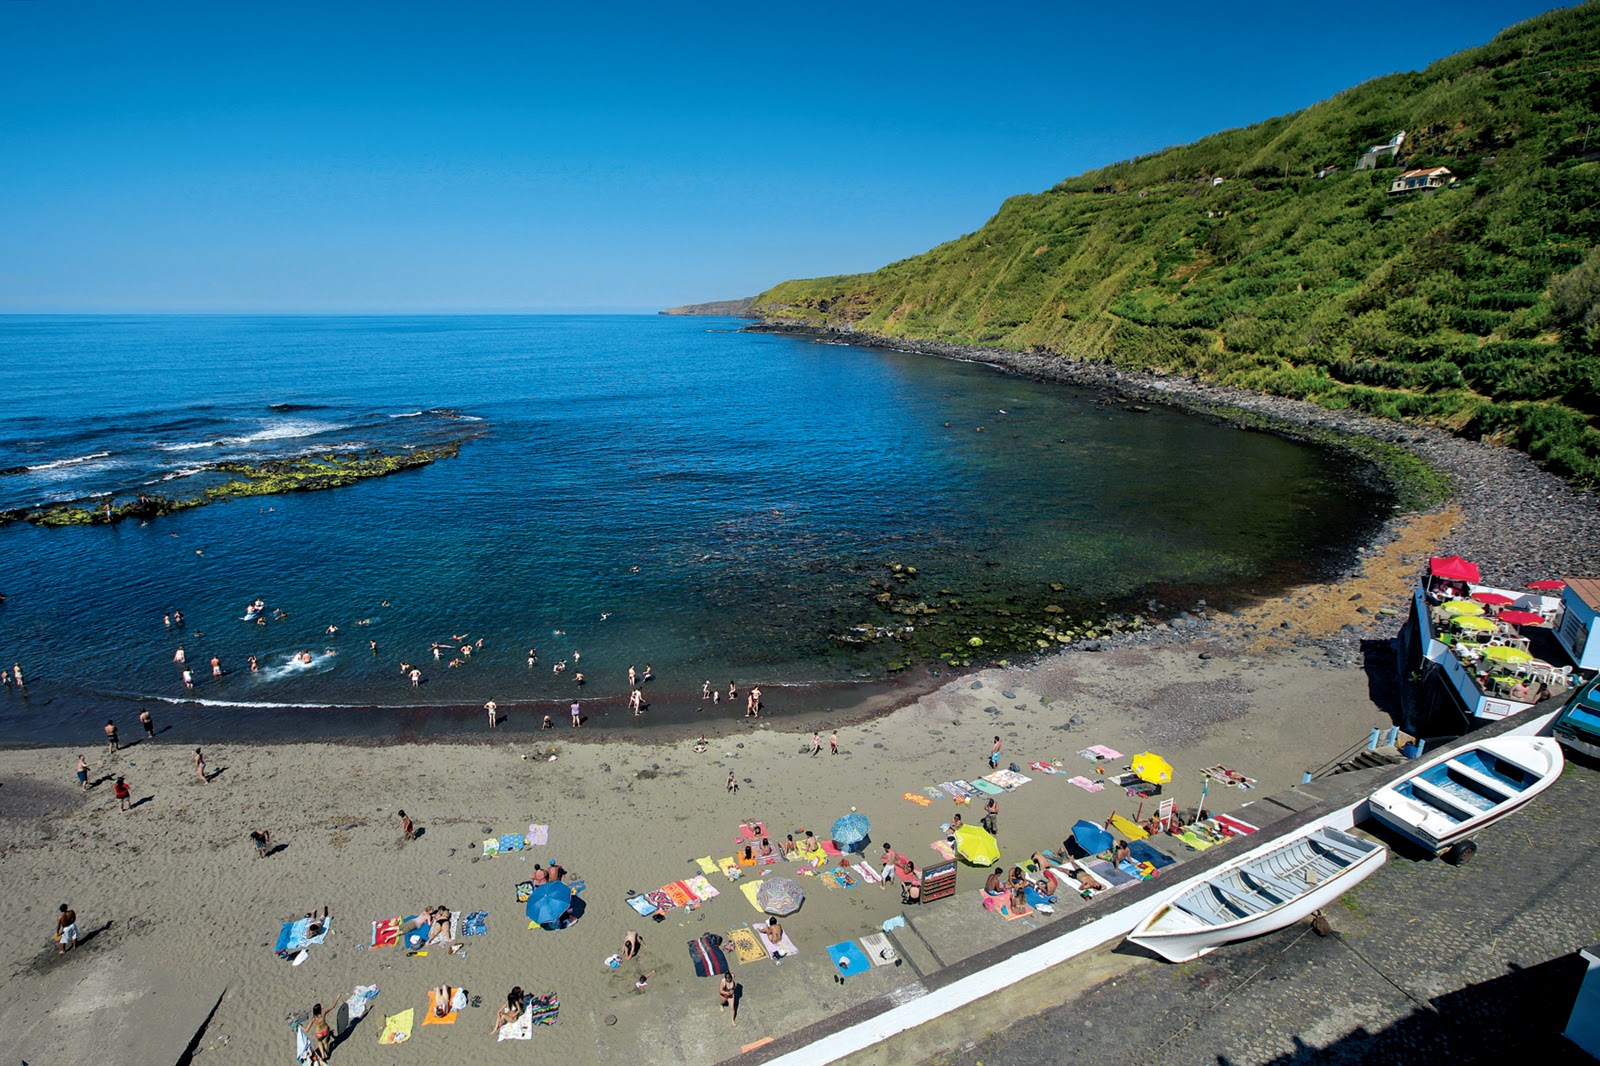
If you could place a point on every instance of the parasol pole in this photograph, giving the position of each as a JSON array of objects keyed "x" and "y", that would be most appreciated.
[{"x": 1206, "y": 785}]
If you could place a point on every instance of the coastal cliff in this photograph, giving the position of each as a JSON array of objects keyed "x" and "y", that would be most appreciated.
[
  {"x": 1448, "y": 276},
  {"x": 740, "y": 308}
]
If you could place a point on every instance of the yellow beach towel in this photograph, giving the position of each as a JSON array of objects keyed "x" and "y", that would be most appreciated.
[
  {"x": 750, "y": 888},
  {"x": 706, "y": 865},
  {"x": 746, "y": 946},
  {"x": 1128, "y": 828},
  {"x": 397, "y": 1027}
]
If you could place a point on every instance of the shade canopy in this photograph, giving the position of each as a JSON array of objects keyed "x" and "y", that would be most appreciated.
[
  {"x": 1453, "y": 568},
  {"x": 1495, "y": 599},
  {"x": 1152, "y": 768},
  {"x": 1091, "y": 838},
  {"x": 1503, "y": 653},
  {"x": 851, "y": 829},
  {"x": 549, "y": 902},
  {"x": 1522, "y": 618},
  {"x": 976, "y": 845},
  {"x": 780, "y": 896},
  {"x": 1547, "y": 585},
  {"x": 1473, "y": 622},
  {"x": 1462, "y": 606}
]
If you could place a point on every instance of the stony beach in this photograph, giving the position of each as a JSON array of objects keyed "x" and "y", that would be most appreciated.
[{"x": 180, "y": 916}]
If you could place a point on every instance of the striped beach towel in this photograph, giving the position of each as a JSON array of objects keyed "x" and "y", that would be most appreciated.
[{"x": 543, "y": 1010}]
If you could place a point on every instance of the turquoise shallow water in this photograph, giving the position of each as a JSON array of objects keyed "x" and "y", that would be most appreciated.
[{"x": 635, "y": 489}]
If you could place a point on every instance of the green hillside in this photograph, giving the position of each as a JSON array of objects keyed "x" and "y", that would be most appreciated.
[{"x": 1475, "y": 307}]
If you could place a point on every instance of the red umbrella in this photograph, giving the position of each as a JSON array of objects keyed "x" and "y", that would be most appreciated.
[
  {"x": 1494, "y": 598},
  {"x": 1548, "y": 585},
  {"x": 1521, "y": 618},
  {"x": 1454, "y": 568}
]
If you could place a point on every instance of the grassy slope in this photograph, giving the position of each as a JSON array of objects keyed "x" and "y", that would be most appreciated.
[{"x": 1435, "y": 307}]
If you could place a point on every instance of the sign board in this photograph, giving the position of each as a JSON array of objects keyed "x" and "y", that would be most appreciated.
[{"x": 938, "y": 881}]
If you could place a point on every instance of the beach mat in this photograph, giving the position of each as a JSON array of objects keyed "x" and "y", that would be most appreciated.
[
  {"x": 782, "y": 949},
  {"x": 1044, "y": 768},
  {"x": 386, "y": 933},
  {"x": 292, "y": 937},
  {"x": 679, "y": 893},
  {"x": 543, "y": 1010},
  {"x": 849, "y": 958},
  {"x": 867, "y": 873},
  {"x": 1007, "y": 779},
  {"x": 642, "y": 906},
  {"x": 750, "y": 888},
  {"x": 1086, "y": 784},
  {"x": 988, "y": 788},
  {"x": 397, "y": 1027},
  {"x": 920, "y": 801},
  {"x": 876, "y": 946},
  {"x": 432, "y": 1018},
  {"x": 707, "y": 866},
  {"x": 1195, "y": 840},
  {"x": 475, "y": 924},
  {"x": 1235, "y": 825},
  {"x": 707, "y": 957},
  {"x": 358, "y": 1002},
  {"x": 1130, "y": 829},
  {"x": 702, "y": 889},
  {"x": 520, "y": 1029},
  {"x": 538, "y": 835},
  {"x": 746, "y": 945},
  {"x": 1146, "y": 852}
]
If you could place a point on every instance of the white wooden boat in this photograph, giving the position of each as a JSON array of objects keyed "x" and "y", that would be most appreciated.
[
  {"x": 1262, "y": 891},
  {"x": 1447, "y": 799}
]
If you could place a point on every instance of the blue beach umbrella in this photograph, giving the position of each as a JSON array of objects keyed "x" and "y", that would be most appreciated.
[
  {"x": 850, "y": 830},
  {"x": 549, "y": 902},
  {"x": 1091, "y": 838}
]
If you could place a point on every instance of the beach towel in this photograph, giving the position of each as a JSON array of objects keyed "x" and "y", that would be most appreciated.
[
  {"x": 1194, "y": 840},
  {"x": 1145, "y": 852},
  {"x": 867, "y": 873},
  {"x": 1044, "y": 768},
  {"x": 747, "y": 945},
  {"x": 1100, "y": 751},
  {"x": 747, "y": 858},
  {"x": 292, "y": 937},
  {"x": 358, "y": 1001},
  {"x": 920, "y": 801},
  {"x": 752, "y": 830},
  {"x": 1235, "y": 825},
  {"x": 707, "y": 956},
  {"x": 521, "y": 1029},
  {"x": 386, "y": 933},
  {"x": 538, "y": 835},
  {"x": 302, "y": 1044},
  {"x": 878, "y": 949},
  {"x": 964, "y": 790},
  {"x": 783, "y": 949},
  {"x": 1011, "y": 914},
  {"x": 706, "y": 865},
  {"x": 729, "y": 868},
  {"x": 432, "y": 1017},
  {"x": 768, "y": 860},
  {"x": 1132, "y": 830},
  {"x": 491, "y": 847},
  {"x": 1229, "y": 777},
  {"x": 1036, "y": 897},
  {"x": 397, "y": 1027},
  {"x": 511, "y": 842},
  {"x": 543, "y": 1010},
  {"x": 1110, "y": 874},
  {"x": 452, "y": 931},
  {"x": 849, "y": 958},
  {"x": 680, "y": 894},
  {"x": 750, "y": 888},
  {"x": 476, "y": 924},
  {"x": 987, "y": 787},
  {"x": 1086, "y": 784},
  {"x": 943, "y": 848},
  {"x": 831, "y": 849},
  {"x": 662, "y": 899},
  {"x": 524, "y": 891},
  {"x": 843, "y": 878},
  {"x": 1007, "y": 779},
  {"x": 641, "y": 906},
  {"x": 951, "y": 790},
  {"x": 933, "y": 793},
  {"x": 702, "y": 889}
]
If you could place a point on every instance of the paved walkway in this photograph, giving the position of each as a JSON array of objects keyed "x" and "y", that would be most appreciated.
[{"x": 1429, "y": 963}]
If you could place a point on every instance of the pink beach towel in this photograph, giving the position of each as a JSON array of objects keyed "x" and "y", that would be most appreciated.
[
  {"x": 1105, "y": 752},
  {"x": 538, "y": 835},
  {"x": 943, "y": 848},
  {"x": 1086, "y": 784}
]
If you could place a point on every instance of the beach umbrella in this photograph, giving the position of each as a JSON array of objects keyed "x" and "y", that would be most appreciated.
[
  {"x": 549, "y": 902},
  {"x": 1506, "y": 654},
  {"x": 850, "y": 830},
  {"x": 780, "y": 896},
  {"x": 975, "y": 844},
  {"x": 1495, "y": 599},
  {"x": 1468, "y": 621},
  {"x": 1522, "y": 618},
  {"x": 1547, "y": 585},
  {"x": 1091, "y": 838},
  {"x": 1152, "y": 768},
  {"x": 1462, "y": 607}
]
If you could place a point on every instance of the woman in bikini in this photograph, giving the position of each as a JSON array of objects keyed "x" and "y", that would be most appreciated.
[
  {"x": 725, "y": 993},
  {"x": 515, "y": 1003},
  {"x": 321, "y": 1033}
]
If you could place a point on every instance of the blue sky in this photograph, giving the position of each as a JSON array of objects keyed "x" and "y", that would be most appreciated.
[{"x": 528, "y": 156}]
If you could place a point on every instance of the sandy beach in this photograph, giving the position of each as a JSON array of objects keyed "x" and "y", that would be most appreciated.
[{"x": 177, "y": 910}]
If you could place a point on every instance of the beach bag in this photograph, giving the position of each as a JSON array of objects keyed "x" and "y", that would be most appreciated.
[{"x": 1014, "y": 768}]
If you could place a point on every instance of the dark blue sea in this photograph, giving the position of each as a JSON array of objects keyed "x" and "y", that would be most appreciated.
[{"x": 632, "y": 490}]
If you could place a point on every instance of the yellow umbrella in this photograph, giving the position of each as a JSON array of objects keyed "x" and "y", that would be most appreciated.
[
  {"x": 1463, "y": 606},
  {"x": 1506, "y": 654},
  {"x": 974, "y": 844},
  {"x": 1467, "y": 621},
  {"x": 1152, "y": 768}
]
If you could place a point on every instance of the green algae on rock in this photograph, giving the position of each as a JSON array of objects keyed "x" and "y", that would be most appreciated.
[{"x": 329, "y": 470}]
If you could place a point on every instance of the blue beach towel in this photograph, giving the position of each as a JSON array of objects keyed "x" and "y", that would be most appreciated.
[
  {"x": 641, "y": 906},
  {"x": 1035, "y": 897},
  {"x": 475, "y": 924},
  {"x": 292, "y": 937},
  {"x": 849, "y": 958},
  {"x": 511, "y": 842},
  {"x": 1143, "y": 852}
]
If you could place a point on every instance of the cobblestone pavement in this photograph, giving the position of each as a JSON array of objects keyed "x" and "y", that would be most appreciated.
[{"x": 1428, "y": 963}]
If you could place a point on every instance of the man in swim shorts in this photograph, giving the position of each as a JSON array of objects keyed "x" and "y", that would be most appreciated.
[{"x": 66, "y": 929}]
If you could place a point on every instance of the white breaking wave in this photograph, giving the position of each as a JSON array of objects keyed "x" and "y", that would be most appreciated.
[
  {"x": 74, "y": 461},
  {"x": 288, "y": 430}
]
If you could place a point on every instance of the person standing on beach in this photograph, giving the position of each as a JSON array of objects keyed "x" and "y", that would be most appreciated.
[
  {"x": 416, "y": 677},
  {"x": 408, "y": 828},
  {"x": 733, "y": 784},
  {"x": 816, "y": 744},
  {"x": 66, "y": 929},
  {"x": 636, "y": 702},
  {"x": 891, "y": 860},
  {"x": 122, "y": 792},
  {"x": 200, "y": 767},
  {"x": 994, "y": 754},
  {"x": 705, "y": 690},
  {"x": 111, "y": 737},
  {"x": 494, "y": 713},
  {"x": 833, "y": 742},
  {"x": 148, "y": 722},
  {"x": 577, "y": 714},
  {"x": 82, "y": 770},
  {"x": 728, "y": 995}
]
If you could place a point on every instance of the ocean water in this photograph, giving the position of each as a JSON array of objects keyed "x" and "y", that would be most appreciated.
[{"x": 632, "y": 490}]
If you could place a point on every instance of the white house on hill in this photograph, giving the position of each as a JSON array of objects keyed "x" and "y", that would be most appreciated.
[{"x": 1417, "y": 180}]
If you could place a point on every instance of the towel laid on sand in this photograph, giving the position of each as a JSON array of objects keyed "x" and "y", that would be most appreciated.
[
  {"x": 386, "y": 933},
  {"x": 538, "y": 835},
  {"x": 1145, "y": 852},
  {"x": 706, "y": 955},
  {"x": 511, "y": 842},
  {"x": 679, "y": 893},
  {"x": 750, "y": 888},
  {"x": 293, "y": 936},
  {"x": 843, "y": 878},
  {"x": 1086, "y": 784},
  {"x": 359, "y": 1000},
  {"x": 641, "y": 906},
  {"x": 452, "y": 931},
  {"x": 475, "y": 924},
  {"x": 1008, "y": 779},
  {"x": 706, "y": 865},
  {"x": 491, "y": 847},
  {"x": 849, "y": 958},
  {"x": 943, "y": 848},
  {"x": 432, "y": 1017},
  {"x": 782, "y": 949},
  {"x": 397, "y": 1027},
  {"x": 1100, "y": 753},
  {"x": 746, "y": 945},
  {"x": 752, "y": 830},
  {"x": 544, "y": 1010},
  {"x": 867, "y": 873},
  {"x": 920, "y": 801},
  {"x": 521, "y": 1029},
  {"x": 1044, "y": 768},
  {"x": 702, "y": 888},
  {"x": 663, "y": 901},
  {"x": 524, "y": 891},
  {"x": 878, "y": 949}
]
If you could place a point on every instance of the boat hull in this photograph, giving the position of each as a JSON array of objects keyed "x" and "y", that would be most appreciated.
[
  {"x": 1184, "y": 945},
  {"x": 1426, "y": 826}
]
